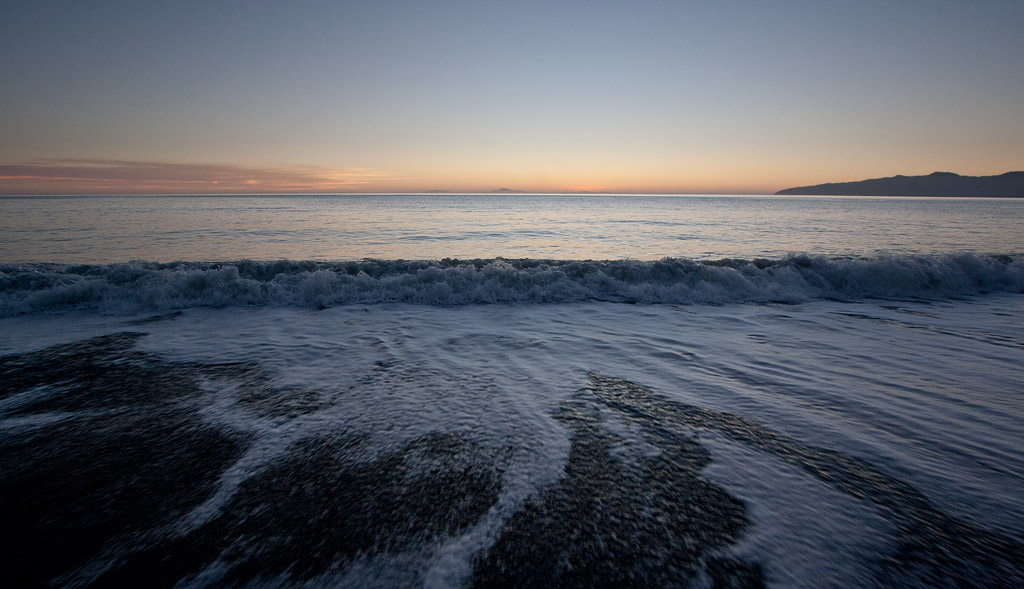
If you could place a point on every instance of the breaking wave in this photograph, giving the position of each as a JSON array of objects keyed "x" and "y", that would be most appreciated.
[{"x": 148, "y": 286}]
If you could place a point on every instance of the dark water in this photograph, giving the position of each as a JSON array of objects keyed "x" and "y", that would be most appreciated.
[
  {"x": 127, "y": 467},
  {"x": 521, "y": 416}
]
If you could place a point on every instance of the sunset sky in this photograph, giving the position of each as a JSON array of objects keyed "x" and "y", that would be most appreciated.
[{"x": 679, "y": 97}]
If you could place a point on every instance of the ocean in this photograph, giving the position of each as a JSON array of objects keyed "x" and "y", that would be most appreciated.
[{"x": 453, "y": 390}]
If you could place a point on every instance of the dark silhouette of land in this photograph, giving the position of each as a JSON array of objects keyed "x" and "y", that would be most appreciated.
[{"x": 1010, "y": 184}]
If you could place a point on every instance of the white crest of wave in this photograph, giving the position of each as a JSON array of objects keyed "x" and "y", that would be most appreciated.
[{"x": 145, "y": 286}]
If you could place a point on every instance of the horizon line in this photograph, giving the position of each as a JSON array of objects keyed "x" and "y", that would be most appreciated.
[{"x": 399, "y": 193}]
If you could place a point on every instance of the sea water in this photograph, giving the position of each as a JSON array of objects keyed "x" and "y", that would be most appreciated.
[
  {"x": 451, "y": 390},
  {"x": 106, "y": 229}
]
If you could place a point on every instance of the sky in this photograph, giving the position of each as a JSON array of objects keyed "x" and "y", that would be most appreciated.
[{"x": 602, "y": 96}]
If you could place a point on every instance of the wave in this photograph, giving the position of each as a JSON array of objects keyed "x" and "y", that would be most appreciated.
[{"x": 137, "y": 287}]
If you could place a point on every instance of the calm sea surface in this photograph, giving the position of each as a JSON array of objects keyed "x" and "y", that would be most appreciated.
[{"x": 91, "y": 229}]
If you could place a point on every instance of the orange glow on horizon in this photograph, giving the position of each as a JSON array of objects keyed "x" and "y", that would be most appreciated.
[{"x": 127, "y": 177}]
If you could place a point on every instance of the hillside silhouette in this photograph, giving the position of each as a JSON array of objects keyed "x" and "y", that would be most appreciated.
[{"x": 1010, "y": 184}]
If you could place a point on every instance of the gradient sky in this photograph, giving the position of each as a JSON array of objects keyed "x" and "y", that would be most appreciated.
[{"x": 471, "y": 96}]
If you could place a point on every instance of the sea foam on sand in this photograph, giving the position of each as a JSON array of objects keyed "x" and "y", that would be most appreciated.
[{"x": 850, "y": 442}]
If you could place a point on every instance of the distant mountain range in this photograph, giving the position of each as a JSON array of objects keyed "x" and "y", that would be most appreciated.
[{"x": 936, "y": 184}]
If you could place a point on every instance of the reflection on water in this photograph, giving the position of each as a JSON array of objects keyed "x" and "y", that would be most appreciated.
[{"x": 333, "y": 227}]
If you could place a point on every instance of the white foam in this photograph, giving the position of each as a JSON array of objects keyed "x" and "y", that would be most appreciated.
[
  {"x": 804, "y": 533},
  {"x": 926, "y": 392},
  {"x": 138, "y": 287}
]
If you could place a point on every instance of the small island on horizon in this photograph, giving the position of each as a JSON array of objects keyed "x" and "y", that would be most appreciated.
[{"x": 1010, "y": 184}]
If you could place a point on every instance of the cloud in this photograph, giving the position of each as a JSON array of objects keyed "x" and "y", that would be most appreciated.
[{"x": 91, "y": 176}]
